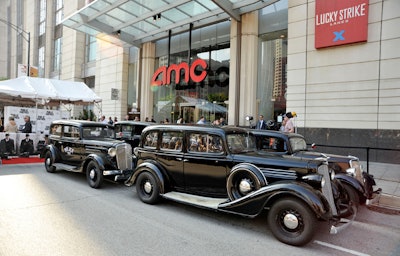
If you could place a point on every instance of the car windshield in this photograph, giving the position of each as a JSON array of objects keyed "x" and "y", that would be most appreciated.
[
  {"x": 93, "y": 132},
  {"x": 298, "y": 144},
  {"x": 240, "y": 142}
]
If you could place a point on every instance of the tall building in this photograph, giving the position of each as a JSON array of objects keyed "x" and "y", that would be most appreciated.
[{"x": 332, "y": 62}]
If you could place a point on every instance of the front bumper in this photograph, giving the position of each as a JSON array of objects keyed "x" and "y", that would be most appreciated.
[
  {"x": 119, "y": 174},
  {"x": 341, "y": 224}
]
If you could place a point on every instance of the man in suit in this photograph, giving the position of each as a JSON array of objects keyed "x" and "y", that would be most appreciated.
[
  {"x": 7, "y": 147},
  {"x": 26, "y": 147},
  {"x": 261, "y": 124}
]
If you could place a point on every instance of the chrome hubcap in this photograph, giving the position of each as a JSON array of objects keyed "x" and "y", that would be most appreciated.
[
  {"x": 48, "y": 161},
  {"x": 92, "y": 173},
  {"x": 290, "y": 221},
  {"x": 147, "y": 187},
  {"x": 245, "y": 186}
]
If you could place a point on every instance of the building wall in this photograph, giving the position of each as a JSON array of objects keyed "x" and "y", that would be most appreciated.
[{"x": 347, "y": 95}]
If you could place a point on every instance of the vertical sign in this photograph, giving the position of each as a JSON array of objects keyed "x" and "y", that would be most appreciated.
[{"x": 339, "y": 22}]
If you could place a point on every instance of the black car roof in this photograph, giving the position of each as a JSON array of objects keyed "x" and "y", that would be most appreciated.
[
  {"x": 80, "y": 123},
  {"x": 275, "y": 133},
  {"x": 195, "y": 127},
  {"x": 134, "y": 123}
]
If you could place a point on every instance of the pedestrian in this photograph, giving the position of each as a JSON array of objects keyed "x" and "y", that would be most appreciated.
[
  {"x": 115, "y": 119},
  {"x": 7, "y": 146},
  {"x": 261, "y": 124},
  {"x": 1, "y": 126},
  {"x": 126, "y": 118},
  {"x": 202, "y": 120},
  {"x": 166, "y": 121},
  {"x": 11, "y": 126},
  {"x": 180, "y": 120},
  {"x": 289, "y": 127},
  {"x": 27, "y": 128},
  {"x": 137, "y": 119},
  {"x": 26, "y": 147},
  {"x": 110, "y": 121},
  {"x": 222, "y": 121}
]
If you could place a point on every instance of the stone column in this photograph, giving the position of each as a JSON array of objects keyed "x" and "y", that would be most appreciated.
[{"x": 148, "y": 51}]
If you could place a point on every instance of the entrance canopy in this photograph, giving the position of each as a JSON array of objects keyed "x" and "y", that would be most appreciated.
[
  {"x": 32, "y": 88},
  {"x": 139, "y": 21}
]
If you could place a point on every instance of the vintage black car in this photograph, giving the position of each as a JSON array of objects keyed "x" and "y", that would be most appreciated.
[
  {"x": 88, "y": 147},
  {"x": 129, "y": 131},
  {"x": 358, "y": 183},
  {"x": 219, "y": 169}
]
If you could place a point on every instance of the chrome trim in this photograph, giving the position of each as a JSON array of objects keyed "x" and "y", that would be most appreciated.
[
  {"x": 124, "y": 156},
  {"x": 327, "y": 188}
]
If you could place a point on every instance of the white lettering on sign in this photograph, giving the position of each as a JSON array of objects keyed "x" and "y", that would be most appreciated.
[{"x": 341, "y": 15}]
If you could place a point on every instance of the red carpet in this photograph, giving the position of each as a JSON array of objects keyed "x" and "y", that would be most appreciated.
[{"x": 23, "y": 160}]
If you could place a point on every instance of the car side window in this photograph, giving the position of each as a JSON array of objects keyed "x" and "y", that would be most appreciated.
[
  {"x": 206, "y": 143},
  {"x": 150, "y": 140},
  {"x": 273, "y": 144},
  {"x": 56, "y": 130},
  {"x": 171, "y": 141},
  {"x": 71, "y": 132}
]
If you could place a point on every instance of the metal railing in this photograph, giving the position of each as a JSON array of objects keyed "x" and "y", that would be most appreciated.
[{"x": 365, "y": 148}]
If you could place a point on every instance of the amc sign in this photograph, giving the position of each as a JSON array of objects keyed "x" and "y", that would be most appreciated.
[
  {"x": 339, "y": 22},
  {"x": 162, "y": 76}
]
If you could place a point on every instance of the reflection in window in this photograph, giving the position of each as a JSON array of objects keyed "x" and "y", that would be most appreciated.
[{"x": 91, "y": 48}]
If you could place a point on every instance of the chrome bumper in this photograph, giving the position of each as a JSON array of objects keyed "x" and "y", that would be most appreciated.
[{"x": 343, "y": 223}]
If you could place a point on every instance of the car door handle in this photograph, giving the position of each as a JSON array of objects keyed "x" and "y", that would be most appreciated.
[{"x": 180, "y": 159}]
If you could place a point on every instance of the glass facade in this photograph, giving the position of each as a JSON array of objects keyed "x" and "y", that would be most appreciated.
[{"x": 183, "y": 96}]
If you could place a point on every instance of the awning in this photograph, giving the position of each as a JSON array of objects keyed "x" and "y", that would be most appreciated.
[
  {"x": 34, "y": 88},
  {"x": 139, "y": 21}
]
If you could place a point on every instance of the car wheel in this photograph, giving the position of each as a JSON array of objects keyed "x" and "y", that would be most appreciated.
[
  {"x": 48, "y": 162},
  {"x": 242, "y": 182},
  {"x": 292, "y": 222},
  {"x": 349, "y": 194},
  {"x": 94, "y": 175},
  {"x": 147, "y": 188}
]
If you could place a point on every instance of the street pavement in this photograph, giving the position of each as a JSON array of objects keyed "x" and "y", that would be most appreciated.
[{"x": 387, "y": 177}]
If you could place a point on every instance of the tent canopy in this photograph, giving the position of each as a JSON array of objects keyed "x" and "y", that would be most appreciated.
[{"x": 47, "y": 89}]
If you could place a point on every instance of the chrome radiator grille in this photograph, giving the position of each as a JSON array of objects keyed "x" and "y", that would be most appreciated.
[
  {"x": 327, "y": 189},
  {"x": 124, "y": 156}
]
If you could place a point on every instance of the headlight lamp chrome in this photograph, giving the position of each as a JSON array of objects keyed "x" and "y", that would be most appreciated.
[{"x": 112, "y": 152}]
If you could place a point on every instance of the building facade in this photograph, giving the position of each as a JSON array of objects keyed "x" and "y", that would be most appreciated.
[{"x": 263, "y": 61}]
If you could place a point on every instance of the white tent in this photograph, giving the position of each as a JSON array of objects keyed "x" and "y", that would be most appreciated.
[{"x": 47, "y": 89}]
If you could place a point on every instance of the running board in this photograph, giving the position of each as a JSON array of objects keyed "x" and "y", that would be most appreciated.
[
  {"x": 66, "y": 167},
  {"x": 199, "y": 201}
]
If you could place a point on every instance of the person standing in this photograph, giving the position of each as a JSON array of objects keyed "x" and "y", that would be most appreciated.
[
  {"x": 202, "y": 120},
  {"x": 26, "y": 147},
  {"x": 289, "y": 127},
  {"x": 27, "y": 128},
  {"x": 261, "y": 124},
  {"x": 7, "y": 146},
  {"x": 11, "y": 126}
]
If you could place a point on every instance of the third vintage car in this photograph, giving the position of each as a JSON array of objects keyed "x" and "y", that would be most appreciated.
[
  {"x": 219, "y": 169},
  {"x": 90, "y": 148},
  {"x": 358, "y": 183}
]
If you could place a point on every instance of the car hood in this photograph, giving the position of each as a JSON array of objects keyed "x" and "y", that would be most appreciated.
[
  {"x": 106, "y": 142},
  {"x": 331, "y": 157}
]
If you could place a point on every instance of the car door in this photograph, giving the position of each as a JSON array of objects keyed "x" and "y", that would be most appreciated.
[
  {"x": 205, "y": 164},
  {"x": 72, "y": 146},
  {"x": 170, "y": 156}
]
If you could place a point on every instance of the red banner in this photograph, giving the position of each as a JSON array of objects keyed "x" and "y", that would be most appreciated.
[{"x": 339, "y": 22}]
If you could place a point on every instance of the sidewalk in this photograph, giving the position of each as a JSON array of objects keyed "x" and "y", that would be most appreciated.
[{"x": 387, "y": 177}]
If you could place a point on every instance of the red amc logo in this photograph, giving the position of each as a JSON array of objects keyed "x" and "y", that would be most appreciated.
[{"x": 165, "y": 73}]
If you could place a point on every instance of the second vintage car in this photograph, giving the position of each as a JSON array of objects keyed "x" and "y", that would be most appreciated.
[
  {"x": 219, "y": 169},
  {"x": 90, "y": 148},
  {"x": 129, "y": 131}
]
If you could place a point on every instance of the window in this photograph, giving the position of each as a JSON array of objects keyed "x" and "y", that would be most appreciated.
[
  {"x": 42, "y": 17},
  {"x": 59, "y": 12},
  {"x": 172, "y": 141},
  {"x": 206, "y": 143},
  {"x": 56, "y": 130},
  {"x": 57, "y": 54},
  {"x": 41, "y": 61},
  {"x": 91, "y": 48},
  {"x": 150, "y": 140}
]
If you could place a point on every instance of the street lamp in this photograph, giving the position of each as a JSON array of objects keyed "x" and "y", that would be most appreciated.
[{"x": 25, "y": 35}]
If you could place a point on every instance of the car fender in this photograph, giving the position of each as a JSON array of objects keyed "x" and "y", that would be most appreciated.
[
  {"x": 93, "y": 157},
  {"x": 351, "y": 181},
  {"x": 151, "y": 167},
  {"x": 53, "y": 151},
  {"x": 252, "y": 204}
]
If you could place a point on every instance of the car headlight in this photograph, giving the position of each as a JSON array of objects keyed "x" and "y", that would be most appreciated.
[
  {"x": 112, "y": 152},
  {"x": 351, "y": 171},
  {"x": 323, "y": 182},
  {"x": 333, "y": 174}
]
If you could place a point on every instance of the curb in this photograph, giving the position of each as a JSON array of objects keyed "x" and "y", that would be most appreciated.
[{"x": 388, "y": 204}]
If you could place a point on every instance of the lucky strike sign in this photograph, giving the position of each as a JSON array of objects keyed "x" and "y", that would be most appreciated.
[
  {"x": 162, "y": 76},
  {"x": 339, "y": 22}
]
